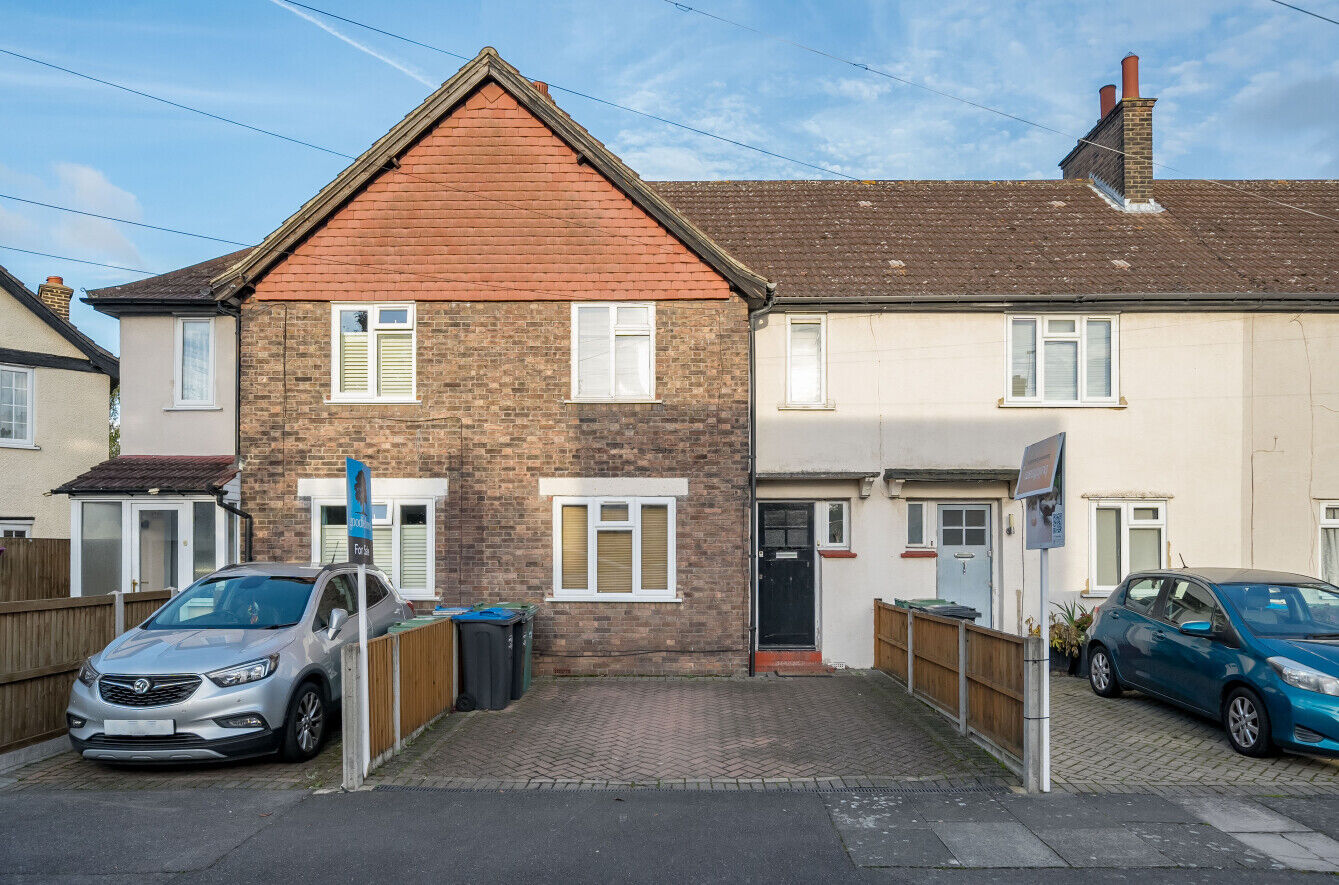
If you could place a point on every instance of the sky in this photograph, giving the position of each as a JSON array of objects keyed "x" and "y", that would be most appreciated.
[{"x": 1245, "y": 89}]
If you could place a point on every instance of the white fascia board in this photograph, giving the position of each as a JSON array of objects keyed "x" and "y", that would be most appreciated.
[
  {"x": 383, "y": 487},
  {"x": 613, "y": 486}
]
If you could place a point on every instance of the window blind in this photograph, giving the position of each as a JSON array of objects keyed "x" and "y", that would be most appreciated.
[
  {"x": 593, "y": 351},
  {"x": 353, "y": 362},
  {"x": 395, "y": 364},
  {"x": 1023, "y": 360},
  {"x": 1062, "y": 370},
  {"x": 613, "y": 561},
  {"x": 655, "y": 547},
  {"x": 574, "y": 563},
  {"x": 414, "y": 556},
  {"x": 806, "y": 362},
  {"x": 1098, "y": 358},
  {"x": 1108, "y": 554}
]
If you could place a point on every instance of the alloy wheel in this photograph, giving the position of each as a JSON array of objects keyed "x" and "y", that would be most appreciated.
[
  {"x": 1100, "y": 669},
  {"x": 310, "y": 716},
  {"x": 1243, "y": 721}
]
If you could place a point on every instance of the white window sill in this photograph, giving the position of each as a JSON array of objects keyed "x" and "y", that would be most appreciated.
[
  {"x": 807, "y": 407},
  {"x": 370, "y": 401},
  {"x": 611, "y": 402},
  {"x": 1097, "y": 594},
  {"x": 612, "y": 597},
  {"x": 19, "y": 445},
  {"x": 192, "y": 407},
  {"x": 1019, "y": 404}
]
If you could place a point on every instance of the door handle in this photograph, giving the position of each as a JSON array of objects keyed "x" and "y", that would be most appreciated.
[{"x": 1115, "y": 616}]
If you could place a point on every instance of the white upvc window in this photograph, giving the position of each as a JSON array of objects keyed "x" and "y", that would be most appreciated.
[
  {"x": 612, "y": 549},
  {"x": 614, "y": 352},
  {"x": 1329, "y": 541},
  {"x": 16, "y": 528},
  {"x": 193, "y": 363},
  {"x": 16, "y": 406},
  {"x": 1126, "y": 536},
  {"x": 834, "y": 525},
  {"x": 918, "y": 535},
  {"x": 402, "y": 539},
  {"x": 806, "y": 360},
  {"x": 1062, "y": 360},
  {"x": 372, "y": 352}
]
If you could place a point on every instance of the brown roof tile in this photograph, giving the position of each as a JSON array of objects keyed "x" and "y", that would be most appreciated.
[
  {"x": 178, "y": 474},
  {"x": 186, "y": 285}
]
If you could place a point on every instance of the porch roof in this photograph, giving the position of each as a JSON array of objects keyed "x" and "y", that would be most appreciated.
[
  {"x": 169, "y": 474},
  {"x": 950, "y": 474}
]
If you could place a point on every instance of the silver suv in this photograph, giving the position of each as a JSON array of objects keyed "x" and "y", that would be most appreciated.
[{"x": 243, "y": 662}]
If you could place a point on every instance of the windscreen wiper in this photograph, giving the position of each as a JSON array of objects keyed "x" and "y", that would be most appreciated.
[
  {"x": 295, "y": 623},
  {"x": 1323, "y": 636}
]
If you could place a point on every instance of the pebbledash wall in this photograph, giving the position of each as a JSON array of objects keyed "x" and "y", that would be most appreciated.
[{"x": 493, "y": 376}]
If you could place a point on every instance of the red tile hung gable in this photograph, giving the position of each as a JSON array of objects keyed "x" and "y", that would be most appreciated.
[{"x": 490, "y": 205}]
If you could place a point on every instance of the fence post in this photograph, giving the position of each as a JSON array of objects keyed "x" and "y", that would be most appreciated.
[
  {"x": 352, "y": 718},
  {"x": 962, "y": 678},
  {"x": 911, "y": 656},
  {"x": 119, "y": 609},
  {"x": 1036, "y": 731},
  {"x": 395, "y": 691}
]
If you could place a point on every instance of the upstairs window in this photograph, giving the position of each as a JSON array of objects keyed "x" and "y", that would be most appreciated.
[
  {"x": 613, "y": 352},
  {"x": 194, "y": 361},
  {"x": 16, "y": 406},
  {"x": 373, "y": 353},
  {"x": 806, "y": 361},
  {"x": 1062, "y": 360}
]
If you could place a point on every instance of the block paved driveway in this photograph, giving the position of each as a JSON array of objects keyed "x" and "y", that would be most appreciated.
[
  {"x": 1102, "y": 744},
  {"x": 856, "y": 727}
]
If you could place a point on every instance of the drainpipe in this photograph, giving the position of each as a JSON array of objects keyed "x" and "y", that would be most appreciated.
[
  {"x": 234, "y": 310},
  {"x": 758, "y": 314},
  {"x": 218, "y": 493}
]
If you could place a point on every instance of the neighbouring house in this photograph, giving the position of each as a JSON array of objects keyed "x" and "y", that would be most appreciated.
[
  {"x": 55, "y": 400},
  {"x": 162, "y": 513},
  {"x": 1181, "y": 333}
]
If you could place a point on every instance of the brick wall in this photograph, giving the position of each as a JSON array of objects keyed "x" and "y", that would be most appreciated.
[
  {"x": 493, "y": 378},
  {"x": 1121, "y": 151}
]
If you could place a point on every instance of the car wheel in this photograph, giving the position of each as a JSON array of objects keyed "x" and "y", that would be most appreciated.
[
  {"x": 1102, "y": 674},
  {"x": 1247, "y": 723},
  {"x": 305, "y": 724}
]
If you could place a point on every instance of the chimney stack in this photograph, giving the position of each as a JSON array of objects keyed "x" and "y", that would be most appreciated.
[
  {"x": 1117, "y": 153},
  {"x": 56, "y": 295}
]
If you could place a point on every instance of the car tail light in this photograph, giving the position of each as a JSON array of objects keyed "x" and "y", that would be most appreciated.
[{"x": 412, "y": 610}]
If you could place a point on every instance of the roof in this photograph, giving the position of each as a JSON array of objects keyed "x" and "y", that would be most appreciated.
[
  {"x": 951, "y": 474},
  {"x": 169, "y": 474},
  {"x": 986, "y": 243},
  {"x": 184, "y": 287},
  {"x": 383, "y": 155},
  {"x": 98, "y": 359}
]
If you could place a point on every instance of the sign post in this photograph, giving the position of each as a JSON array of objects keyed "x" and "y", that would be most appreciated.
[
  {"x": 359, "y": 509},
  {"x": 1041, "y": 486}
]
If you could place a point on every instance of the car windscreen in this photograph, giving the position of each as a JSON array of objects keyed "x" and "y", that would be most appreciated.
[
  {"x": 247, "y": 602},
  {"x": 1287, "y": 611}
]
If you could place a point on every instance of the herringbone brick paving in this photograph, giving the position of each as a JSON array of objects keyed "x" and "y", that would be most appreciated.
[
  {"x": 1135, "y": 741},
  {"x": 853, "y": 725}
]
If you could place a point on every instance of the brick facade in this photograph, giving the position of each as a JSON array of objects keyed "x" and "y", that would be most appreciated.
[
  {"x": 1120, "y": 152},
  {"x": 493, "y": 378}
]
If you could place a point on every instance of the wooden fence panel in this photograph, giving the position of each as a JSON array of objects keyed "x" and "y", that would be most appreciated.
[
  {"x": 381, "y": 694},
  {"x": 42, "y": 644},
  {"x": 890, "y": 639},
  {"x": 995, "y": 687},
  {"x": 935, "y": 646},
  {"x": 34, "y": 568},
  {"x": 427, "y": 662}
]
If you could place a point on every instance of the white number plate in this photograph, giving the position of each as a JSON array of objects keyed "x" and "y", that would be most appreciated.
[{"x": 138, "y": 727}]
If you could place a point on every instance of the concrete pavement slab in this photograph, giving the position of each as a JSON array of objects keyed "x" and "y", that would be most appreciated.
[
  {"x": 1103, "y": 847},
  {"x": 995, "y": 845},
  {"x": 1319, "y": 813},
  {"x": 1200, "y": 845},
  {"x": 1238, "y": 815},
  {"x": 1287, "y": 852},
  {"x": 1088, "y": 810}
]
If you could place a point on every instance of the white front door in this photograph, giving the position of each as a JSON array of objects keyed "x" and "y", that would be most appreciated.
[{"x": 161, "y": 547}]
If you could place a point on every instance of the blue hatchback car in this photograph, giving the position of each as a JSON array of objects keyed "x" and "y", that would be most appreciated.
[{"x": 1255, "y": 650}]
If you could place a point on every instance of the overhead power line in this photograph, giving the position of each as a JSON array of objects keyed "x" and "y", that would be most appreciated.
[
  {"x": 683, "y": 7},
  {"x": 151, "y": 273},
  {"x": 1324, "y": 18},
  {"x": 579, "y": 94}
]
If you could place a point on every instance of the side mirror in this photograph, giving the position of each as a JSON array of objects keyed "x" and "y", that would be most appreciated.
[
  {"x": 1198, "y": 628},
  {"x": 337, "y": 618}
]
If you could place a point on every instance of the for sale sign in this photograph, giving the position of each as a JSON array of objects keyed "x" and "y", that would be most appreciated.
[
  {"x": 1041, "y": 480},
  {"x": 359, "y": 480}
]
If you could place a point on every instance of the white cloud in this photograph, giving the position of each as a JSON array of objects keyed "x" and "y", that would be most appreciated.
[{"x": 49, "y": 230}]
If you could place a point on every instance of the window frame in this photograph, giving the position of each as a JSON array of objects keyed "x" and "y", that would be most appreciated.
[
  {"x": 1041, "y": 323},
  {"x": 593, "y": 504},
  {"x": 375, "y": 328},
  {"x": 25, "y": 526},
  {"x": 1127, "y": 522},
  {"x": 615, "y": 330},
  {"x": 1324, "y": 523},
  {"x": 927, "y": 540},
  {"x": 392, "y": 569},
  {"x": 30, "y": 440},
  {"x": 179, "y": 401},
  {"x": 808, "y": 319},
  {"x": 821, "y": 522}
]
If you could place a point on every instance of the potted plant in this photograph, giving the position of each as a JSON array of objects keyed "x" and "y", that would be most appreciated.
[{"x": 1069, "y": 635}]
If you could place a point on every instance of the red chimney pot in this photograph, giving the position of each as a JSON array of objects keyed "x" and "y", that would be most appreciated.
[
  {"x": 55, "y": 281},
  {"x": 541, "y": 86},
  {"x": 1129, "y": 71},
  {"x": 1107, "y": 99}
]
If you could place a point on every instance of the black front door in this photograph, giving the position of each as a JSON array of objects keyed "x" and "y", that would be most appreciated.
[{"x": 786, "y": 575}]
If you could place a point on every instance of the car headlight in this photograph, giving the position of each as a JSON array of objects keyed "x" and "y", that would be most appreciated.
[
  {"x": 87, "y": 674},
  {"x": 1304, "y": 677},
  {"x": 251, "y": 671}
]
